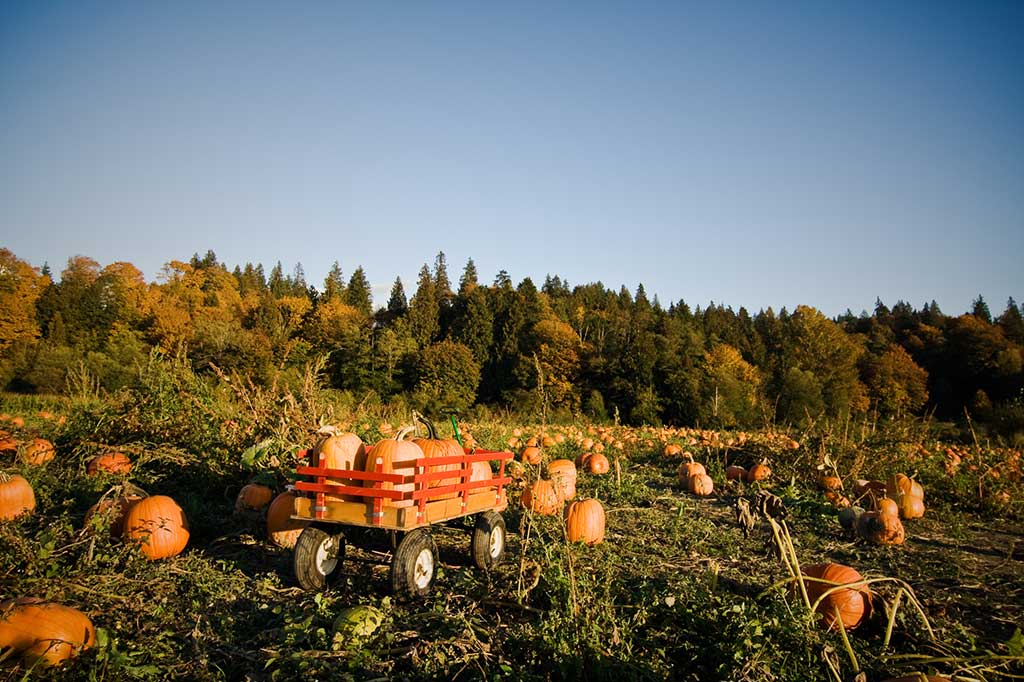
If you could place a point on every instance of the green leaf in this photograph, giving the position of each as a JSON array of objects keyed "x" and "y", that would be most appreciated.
[{"x": 1016, "y": 643}]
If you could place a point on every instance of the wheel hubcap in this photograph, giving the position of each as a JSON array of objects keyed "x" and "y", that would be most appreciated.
[
  {"x": 496, "y": 543},
  {"x": 424, "y": 568},
  {"x": 327, "y": 556}
]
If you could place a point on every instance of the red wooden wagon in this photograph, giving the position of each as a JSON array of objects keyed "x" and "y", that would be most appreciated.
[{"x": 320, "y": 549}]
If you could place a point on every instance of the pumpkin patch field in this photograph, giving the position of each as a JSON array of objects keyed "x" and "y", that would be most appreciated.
[{"x": 142, "y": 537}]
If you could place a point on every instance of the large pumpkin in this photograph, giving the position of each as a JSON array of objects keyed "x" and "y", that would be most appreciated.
[
  {"x": 341, "y": 451},
  {"x": 111, "y": 463},
  {"x": 44, "y": 632},
  {"x": 282, "y": 529},
  {"x": 542, "y": 497},
  {"x": 396, "y": 456},
  {"x": 434, "y": 446},
  {"x": 159, "y": 525},
  {"x": 16, "y": 497},
  {"x": 38, "y": 451},
  {"x": 563, "y": 474},
  {"x": 852, "y": 603},
  {"x": 584, "y": 522}
]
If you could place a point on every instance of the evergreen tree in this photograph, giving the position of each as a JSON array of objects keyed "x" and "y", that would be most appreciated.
[
  {"x": 423, "y": 311},
  {"x": 334, "y": 284},
  {"x": 398, "y": 306},
  {"x": 278, "y": 285},
  {"x": 358, "y": 294},
  {"x": 980, "y": 309},
  {"x": 468, "y": 281},
  {"x": 1012, "y": 322}
]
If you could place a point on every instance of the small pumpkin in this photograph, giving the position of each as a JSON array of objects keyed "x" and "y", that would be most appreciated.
[
  {"x": 542, "y": 497},
  {"x": 44, "y": 633},
  {"x": 830, "y": 482},
  {"x": 861, "y": 487},
  {"x": 253, "y": 497},
  {"x": 355, "y": 624},
  {"x": 881, "y": 529},
  {"x": 701, "y": 485},
  {"x": 852, "y": 603},
  {"x": 38, "y": 451},
  {"x": 758, "y": 472},
  {"x": 115, "y": 508},
  {"x": 837, "y": 499},
  {"x": 735, "y": 473},
  {"x": 585, "y": 522},
  {"x": 7, "y": 444},
  {"x": 911, "y": 506},
  {"x": 671, "y": 450},
  {"x": 109, "y": 462},
  {"x": 888, "y": 507},
  {"x": 16, "y": 497},
  {"x": 688, "y": 469},
  {"x": 598, "y": 464},
  {"x": 582, "y": 459},
  {"x": 531, "y": 454},
  {"x": 282, "y": 529},
  {"x": 563, "y": 474},
  {"x": 159, "y": 525},
  {"x": 848, "y": 517}
]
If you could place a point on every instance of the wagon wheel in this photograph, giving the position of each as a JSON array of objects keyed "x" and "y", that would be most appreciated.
[
  {"x": 318, "y": 558},
  {"x": 488, "y": 544},
  {"x": 414, "y": 565}
]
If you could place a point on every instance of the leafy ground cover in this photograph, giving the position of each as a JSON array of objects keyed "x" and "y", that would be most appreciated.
[{"x": 677, "y": 590}]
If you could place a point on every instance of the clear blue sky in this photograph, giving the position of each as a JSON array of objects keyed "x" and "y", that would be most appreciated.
[{"x": 753, "y": 154}]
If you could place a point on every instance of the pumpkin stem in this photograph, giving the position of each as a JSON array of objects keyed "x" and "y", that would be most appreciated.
[
  {"x": 405, "y": 431},
  {"x": 431, "y": 429}
]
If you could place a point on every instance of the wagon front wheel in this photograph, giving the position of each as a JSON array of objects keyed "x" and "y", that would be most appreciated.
[
  {"x": 414, "y": 565},
  {"x": 318, "y": 558},
  {"x": 488, "y": 543}
]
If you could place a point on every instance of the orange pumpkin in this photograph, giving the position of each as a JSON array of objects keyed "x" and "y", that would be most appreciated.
[
  {"x": 837, "y": 499},
  {"x": 735, "y": 473},
  {"x": 159, "y": 525},
  {"x": 563, "y": 475},
  {"x": 253, "y": 497},
  {"x": 542, "y": 497},
  {"x": 688, "y": 469},
  {"x": 111, "y": 463},
  {"x": 701, "y": 485},
  {"x": 282, "y": 529},
  {"x": 16, "y": 497},
  {"x": 911, "y": 507},
  {"x": 584, "y": 522},
  {"x": 7, "y": 444},
  {"x": 597, "y": 464},
  {"x": 852, "y": 603},
  {"x": 116, "y": 508},
  {"x": 672, "y": 449},
  {"x": 341, "y": 451},
  {"x": 888, "y": 507},
  {"x": 881, "y": 529},
  {"x": 758, "y": 472},
  {"x": 44, "y": 633},
  {"x": 830, "y": 483},
  {"x": 582, "y": 459},
  {"x": 433, "y": 446},
  {"x": 531, "y": 455},
  {"x": 395, "y": 456},
  {"x": 38, "y": 451},
  {"x": 861, "y": 486}
]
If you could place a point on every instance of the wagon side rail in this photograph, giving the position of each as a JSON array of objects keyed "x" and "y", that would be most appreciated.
[{"x": 374, "y": 493}]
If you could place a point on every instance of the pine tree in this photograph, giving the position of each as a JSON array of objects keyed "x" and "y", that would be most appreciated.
[
  {"x": 334, "y": 284},
  {"x": 358, "y": 294},
  {"x": 423, "y": 310},
  {"x": 980, "y": 309},
  {"x": 468, "y": 281},
  {"x": 278, "y": 285},
  {"x": 1012, "y": 322},
  {"x": 398, "y": 305}
]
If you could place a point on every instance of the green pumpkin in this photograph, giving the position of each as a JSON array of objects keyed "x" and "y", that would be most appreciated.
[
  {"x": 848, "y": 517},
  {"x": 356, "y": 623}
]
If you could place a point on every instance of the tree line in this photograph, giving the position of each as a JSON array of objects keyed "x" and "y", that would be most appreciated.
[{"x": 592, "y": 350}]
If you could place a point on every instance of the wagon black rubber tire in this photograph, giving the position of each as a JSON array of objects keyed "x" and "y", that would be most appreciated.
[
  {"x": 310, "y": 571},
  {"x": 488, "y": 544},
  {"x": 414, "y": 565}
]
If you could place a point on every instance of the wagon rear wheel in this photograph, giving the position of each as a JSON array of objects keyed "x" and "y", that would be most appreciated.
[
  {"x": 318, "y": 558},
  {"x": 488, "y": 544},
  {"x": 414, "y": 564}
]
